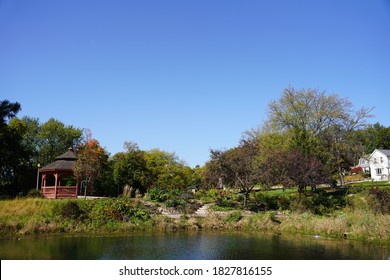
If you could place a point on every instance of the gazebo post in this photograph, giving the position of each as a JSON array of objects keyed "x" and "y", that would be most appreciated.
[{"x": 55, "y": 184}]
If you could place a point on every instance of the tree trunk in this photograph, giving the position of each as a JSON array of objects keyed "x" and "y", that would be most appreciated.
[{"x": 341, "y": 177}]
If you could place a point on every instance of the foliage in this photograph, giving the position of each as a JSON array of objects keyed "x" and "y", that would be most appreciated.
[
  {"x": 208, "y": 195},
  {"x": 225, "y": 203},
  {"x": 166, "y": 171},
  {"x": 357, "y": 169},
  {"x": 264, "y": 202},
  {"x": 380, "y": 200},
  {"x": 159, "y": 195},
  {"x": 375, "y": 136},
  {"x": 281, "y": 168},
  {"x": 321, "y": 125},
  {"x": 102, "y": 211},
  {"x": 233, "y": 217},
  {"x": 235, "y": 167},
  {"x": 14, "y": 155},
  {"x": 33, "y": 193},
  {"x": 91, "y": 161},
  {"x": 54, "y": 137},
  {"x": 130, "y": 169}
]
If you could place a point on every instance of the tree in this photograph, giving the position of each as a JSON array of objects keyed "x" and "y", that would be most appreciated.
[
  {"x": 166, "y": 170},
  {"x": 236, "y": 167},
  {"x": 13, "y": 153},
  {"x": 319, "y": 125},
  {"x": 293, "y": 168},
  {"x": 54, "y": 138},
  {"x": 129, "y": 168},
  {"x": 373, "y": 137},
  {"x": 91, "y": 161},
  {"x": 8, "y": 111}
]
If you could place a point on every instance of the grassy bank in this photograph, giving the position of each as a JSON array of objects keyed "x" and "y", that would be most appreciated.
[{"x": 358, "y": 213}]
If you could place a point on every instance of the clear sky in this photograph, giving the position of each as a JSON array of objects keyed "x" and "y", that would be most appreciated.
[{"x": 185, "y": 76}]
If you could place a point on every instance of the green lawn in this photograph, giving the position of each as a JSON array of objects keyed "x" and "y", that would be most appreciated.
[{"x": 369, "y": 184}]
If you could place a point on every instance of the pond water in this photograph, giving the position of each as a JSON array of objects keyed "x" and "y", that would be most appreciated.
[{"x": 190, "y": 246}]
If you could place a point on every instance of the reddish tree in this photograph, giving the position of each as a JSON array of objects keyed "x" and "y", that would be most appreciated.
[{"x": 91, "y": 159}]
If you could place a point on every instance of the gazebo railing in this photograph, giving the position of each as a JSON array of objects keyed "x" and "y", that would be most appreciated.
[{"x": 59, "y": 191}]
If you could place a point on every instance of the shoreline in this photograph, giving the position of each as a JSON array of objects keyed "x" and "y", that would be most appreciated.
[{"x": 39, "y": 217}]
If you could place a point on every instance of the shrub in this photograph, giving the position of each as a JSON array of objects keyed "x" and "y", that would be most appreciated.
[
  {"x": 357, "y": 169},
  {"x": 71, "y": 210},
  {"x": 33, "y": 193},
  {"x": 263, "y": 202},
  {"x": 174, "y": 203},
  {"x": 157, "y": 194},
  {"x": 380, "y": 200},
  {"x": 225, "y": 202},
  {"x": 233, "y": 217}
]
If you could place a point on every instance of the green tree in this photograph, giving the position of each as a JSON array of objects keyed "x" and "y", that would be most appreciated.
[
  {"x": 166, "y": 170},
  {"x": 54, "y": 138},
  {"x": 129, "y": 168},
  {"x": 319, "y": 124},
  {"x": 375, "y": 136},
  {"x": 14, "y": 155},
  {"x": 8, "y": 111}
]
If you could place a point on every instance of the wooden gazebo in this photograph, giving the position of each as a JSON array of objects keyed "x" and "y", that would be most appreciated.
[{"x": 58, "y": 180}]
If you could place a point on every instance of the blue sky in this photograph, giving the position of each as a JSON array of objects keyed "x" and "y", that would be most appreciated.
[{"x": 187, "y": 76}]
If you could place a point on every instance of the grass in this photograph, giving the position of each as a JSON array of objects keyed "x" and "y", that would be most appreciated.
[
  {"x": 280, "y": 192},
  {"x": 368, "y": 184}
]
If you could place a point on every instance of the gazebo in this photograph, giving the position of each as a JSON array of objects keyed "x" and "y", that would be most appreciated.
[{"x": 58, "y": 180}]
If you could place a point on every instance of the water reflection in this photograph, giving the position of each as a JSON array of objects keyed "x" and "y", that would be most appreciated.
[{"x": 191, "y": 246}]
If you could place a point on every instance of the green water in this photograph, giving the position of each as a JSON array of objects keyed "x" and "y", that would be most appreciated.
[{"x": 190, "y": 246}]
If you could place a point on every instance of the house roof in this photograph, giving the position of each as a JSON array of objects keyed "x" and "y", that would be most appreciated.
[
  {"x": 64, "y": 162},
  {"x": 386, "y": 152}
]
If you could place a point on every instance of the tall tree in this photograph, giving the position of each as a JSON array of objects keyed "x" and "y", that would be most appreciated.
[
  {"x": 317, "y": 121},
  {"x": 13, "y": 153},
  {"x": 129, "y": 168},
  {"x": 91, "y": 161},
  {"x": 54, "y": 138},
  {"x": 8, "y": 111},
  {"x": 235, "y": 167},
  {"x": 166, "y": 170}
]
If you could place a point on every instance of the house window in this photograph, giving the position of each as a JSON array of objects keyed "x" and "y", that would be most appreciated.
[
  {"x": 375, "y": 161},
  {"x": 381, "y": 159},
  {"x": 379, "y": 171}
]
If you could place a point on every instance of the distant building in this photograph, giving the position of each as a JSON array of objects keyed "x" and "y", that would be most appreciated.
[
  {"x": 379, "y": 162},
  {"x": 364, "y": 163}
]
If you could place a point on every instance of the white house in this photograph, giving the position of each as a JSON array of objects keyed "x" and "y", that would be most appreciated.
[
  {"x": 364, "y": 163},
  {"x": 380, "y": 165}
]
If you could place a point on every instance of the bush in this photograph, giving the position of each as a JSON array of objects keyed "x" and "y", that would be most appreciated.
[
  {"x": 225, "y": 202},
  {"x": 69, "y": 210},
  {"x": 380, "y": 200},
  {"x": 33, "y": 193},
  {"x": 263, "y": 202},
  {"x": 233, "y": 217},
  {"x": 174, "y": 203},
  {"x": 208, "y": 195},
  {"x": 157, "y": 194},
  {"x": 105, "y": 210}
]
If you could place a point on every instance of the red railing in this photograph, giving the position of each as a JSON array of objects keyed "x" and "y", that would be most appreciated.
[{"x": 62, "y": 192}]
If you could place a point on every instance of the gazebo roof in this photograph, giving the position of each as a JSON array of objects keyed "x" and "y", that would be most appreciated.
[{"x": 64, "y": 162}]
